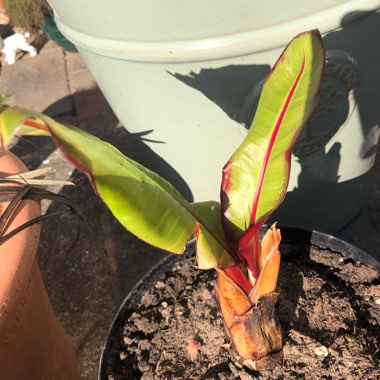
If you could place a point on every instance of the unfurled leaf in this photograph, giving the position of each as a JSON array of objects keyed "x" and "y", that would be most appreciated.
[
  {"x": 146, "y": 204},
  {"x": 255, "y": 178}
]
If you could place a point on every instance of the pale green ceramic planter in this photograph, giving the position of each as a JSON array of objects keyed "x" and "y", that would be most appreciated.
[{"x": 186, "y": 76}]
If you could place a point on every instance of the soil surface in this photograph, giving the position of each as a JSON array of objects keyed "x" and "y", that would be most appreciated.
[{"x": 329, "y": 309}]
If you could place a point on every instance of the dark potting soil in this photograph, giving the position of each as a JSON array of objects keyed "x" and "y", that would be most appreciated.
[{"x": 329, "y": 310}]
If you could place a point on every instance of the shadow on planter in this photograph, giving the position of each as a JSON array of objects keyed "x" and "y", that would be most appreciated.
[
  {"x": 229, "y": 87},
  {"x": 336, "y": 150}
]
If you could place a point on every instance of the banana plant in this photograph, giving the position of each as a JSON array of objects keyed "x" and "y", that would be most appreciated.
[{"x": 254, "y": 184}]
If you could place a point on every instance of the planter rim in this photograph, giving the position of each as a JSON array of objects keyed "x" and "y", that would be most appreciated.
[
  {"x": 319, "y": 239},
  {"x": 325, "y": 240},
  {"x": 210, "y": 47}
]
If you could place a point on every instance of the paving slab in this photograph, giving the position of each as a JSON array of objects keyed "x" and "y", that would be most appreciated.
[
  {"x": 90, "y": 105},
  {"x": 37, "y": 82}
]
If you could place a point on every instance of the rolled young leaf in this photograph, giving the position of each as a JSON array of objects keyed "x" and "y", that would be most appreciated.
[
  {"x": 269, "y": 263},
  {"x": 255, "y": 178}
]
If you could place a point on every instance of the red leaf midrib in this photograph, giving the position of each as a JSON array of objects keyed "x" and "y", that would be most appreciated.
[{"x": 271, "y": 143}]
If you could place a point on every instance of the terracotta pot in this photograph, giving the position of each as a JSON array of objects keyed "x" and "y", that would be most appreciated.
[{"x": 33, "y": 344}]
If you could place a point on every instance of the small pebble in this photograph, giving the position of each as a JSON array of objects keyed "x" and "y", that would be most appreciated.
[
  {"x": 164, "y": 304},
  {"x": 123, "y": 355},
  {"x": 160, "y": 285},
  {"x": 238, "y": 364},
  {"x": 143, "y": 365},
  {"x": 128, "y": 341},
  {"x": 193, "y": 347},
  {"x": 377, "y": 302},
  {"x": 234, "y": 370},
  {"x": 321, "y": 351},
  {"x": 45, "y": 162}
]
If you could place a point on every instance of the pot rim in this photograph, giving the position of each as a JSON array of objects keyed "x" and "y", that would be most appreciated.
[
  {"x": 316, "y": 238},
  {"x": 220, "y": 46}
]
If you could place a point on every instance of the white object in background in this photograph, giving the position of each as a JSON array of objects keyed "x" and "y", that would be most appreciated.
[{"x": 15, "y": 42}]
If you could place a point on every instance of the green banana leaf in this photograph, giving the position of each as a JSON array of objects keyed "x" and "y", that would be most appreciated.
[
  {"x": 256, "y": 177},
  {"x": 143, "y": 202}
]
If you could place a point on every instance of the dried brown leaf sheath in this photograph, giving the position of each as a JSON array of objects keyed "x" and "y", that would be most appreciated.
[{"x": 254, "y": 330}]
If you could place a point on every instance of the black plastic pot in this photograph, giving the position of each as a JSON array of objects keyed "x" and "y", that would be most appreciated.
[{"x": 299, "y": 240}]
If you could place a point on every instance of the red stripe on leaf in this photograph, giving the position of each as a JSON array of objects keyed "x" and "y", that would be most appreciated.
[
  {"x": 35, "y": 124},
  {"x": 271, "y": 143}
]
